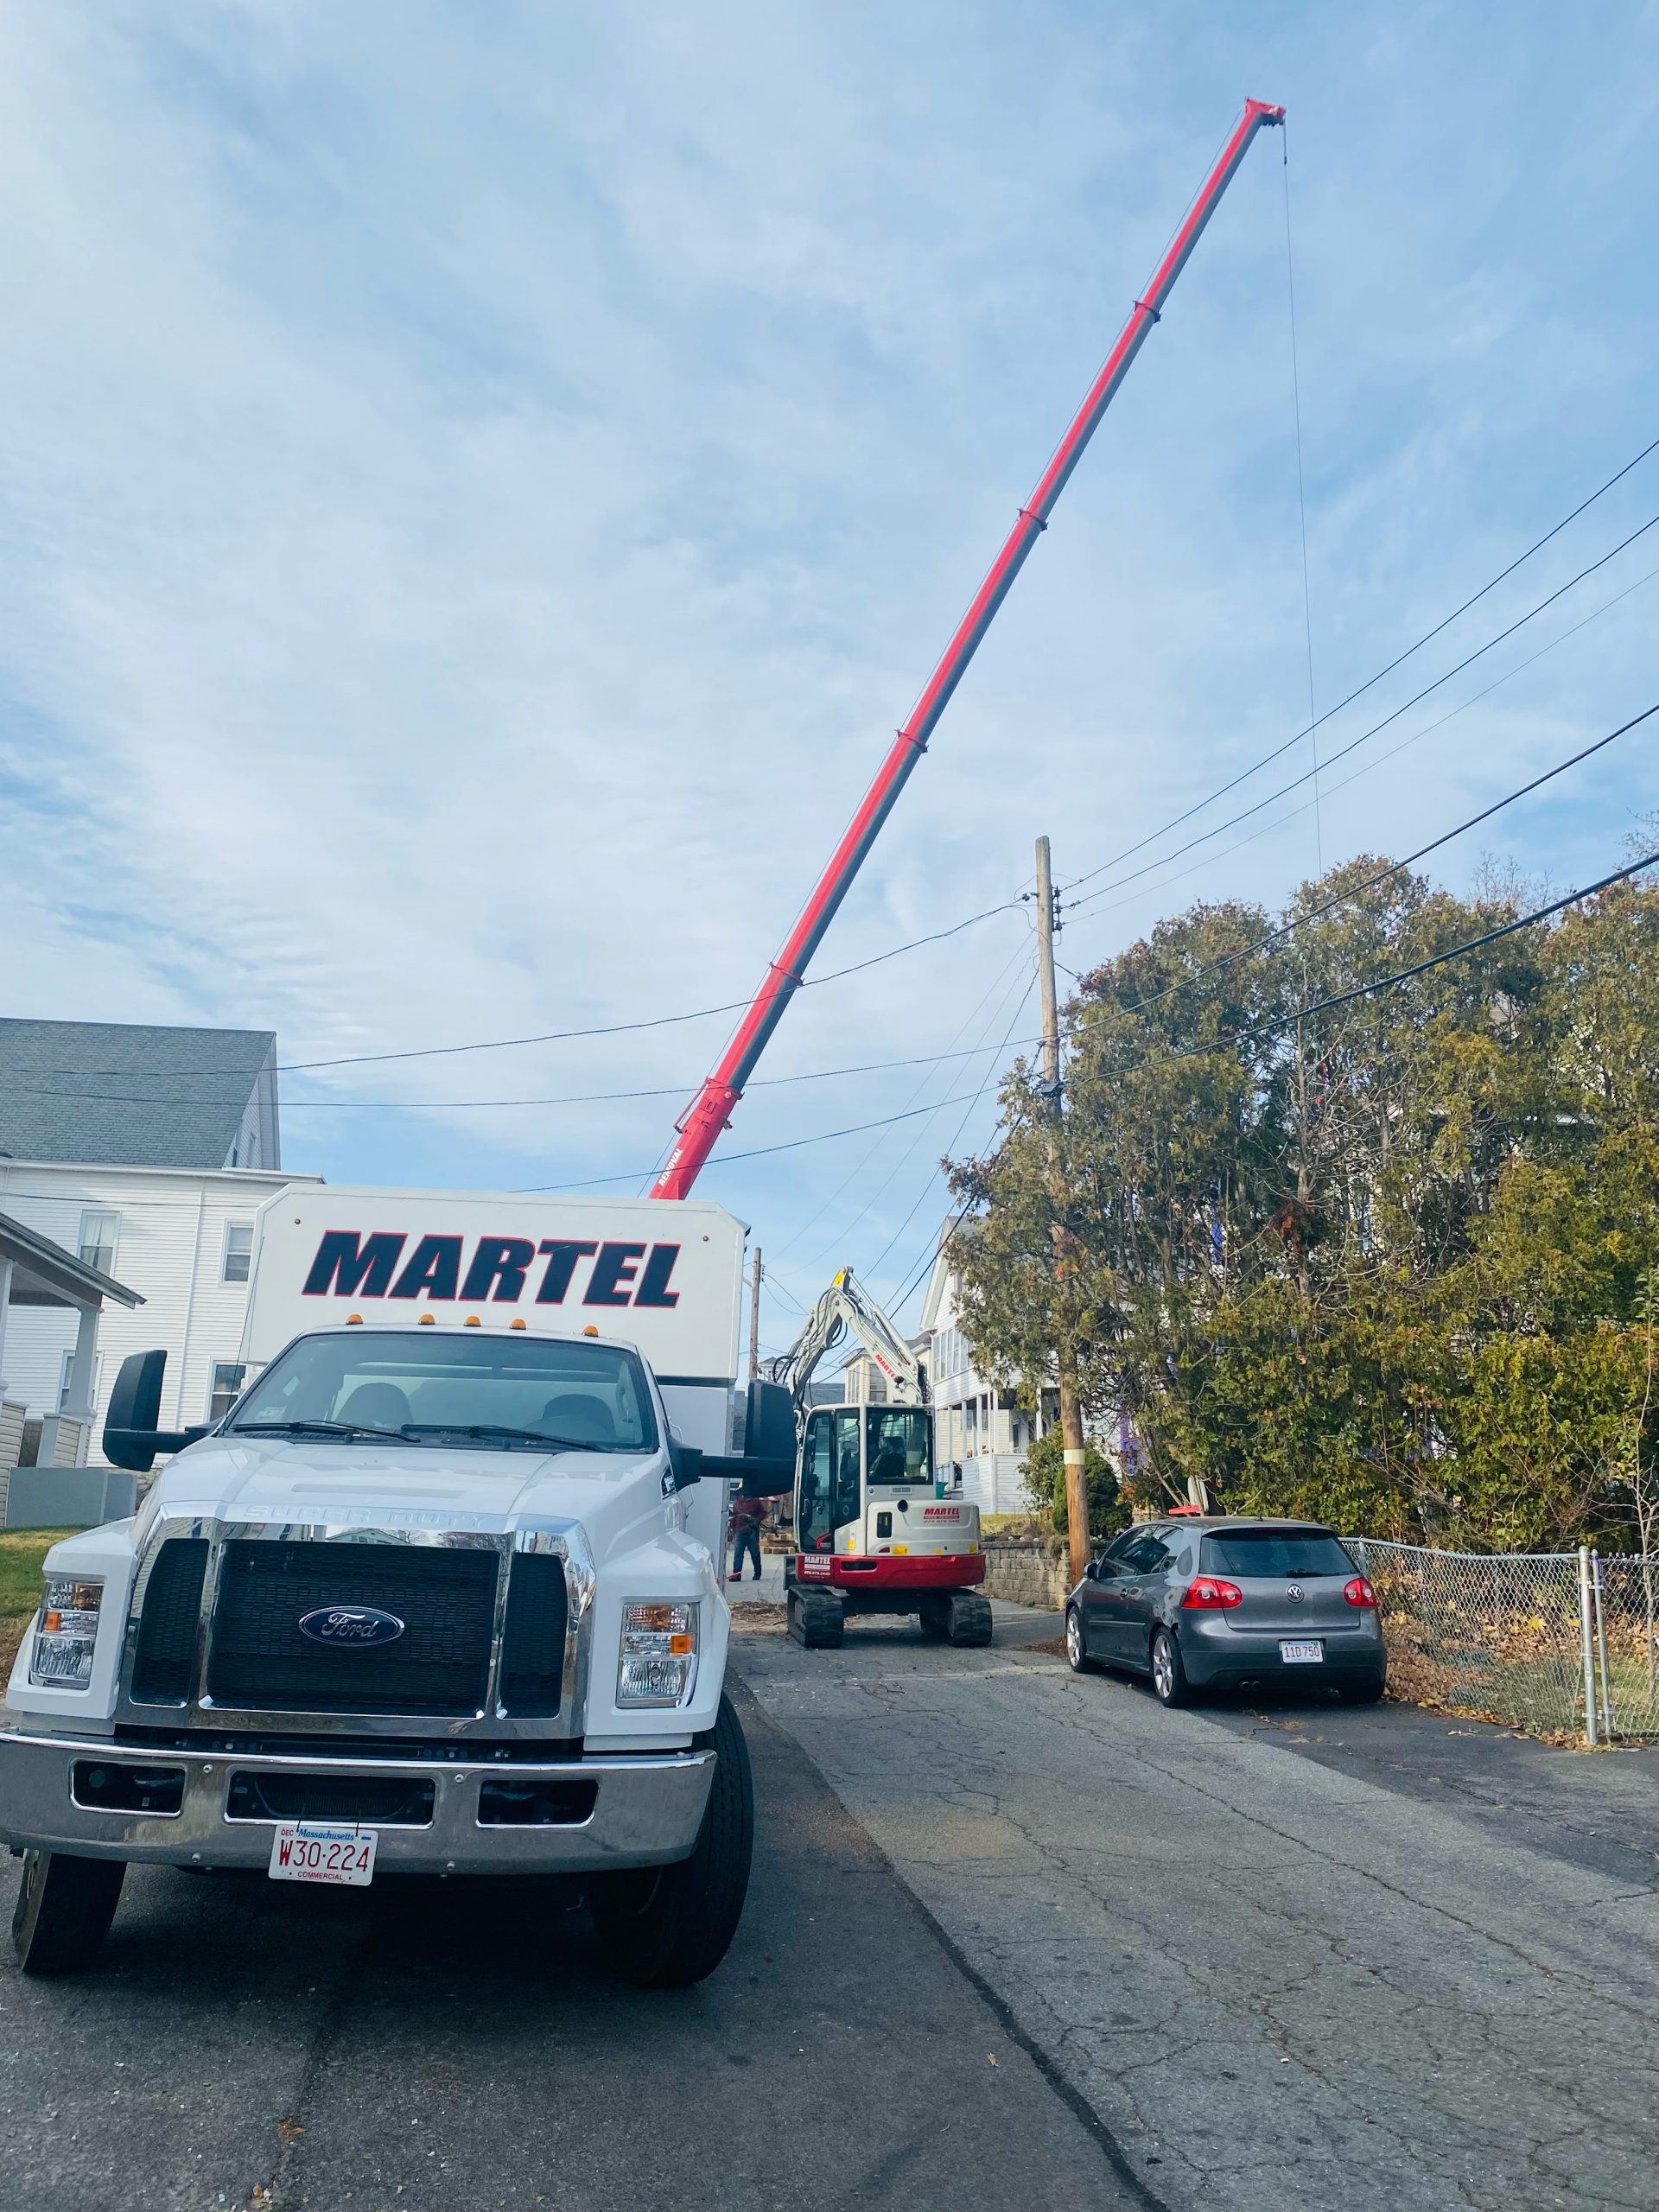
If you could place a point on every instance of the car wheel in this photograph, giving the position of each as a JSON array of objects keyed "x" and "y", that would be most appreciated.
[
  {"x": 1169, "y": 1680},
  {"x": 64, "y": 1906},
  {"x": 1076, "y": 1657},
  {"x": 1361, "y": 1692}
]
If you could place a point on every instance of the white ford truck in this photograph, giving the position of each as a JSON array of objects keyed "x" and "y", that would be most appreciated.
[{"x": 440, "y": 1594}]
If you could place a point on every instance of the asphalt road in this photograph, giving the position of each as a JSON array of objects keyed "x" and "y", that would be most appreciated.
[
  {"x": 1290, "y": 1959},
  {"x": 1013, "y": 1937},
  {"x": 452, "y": 2048}
]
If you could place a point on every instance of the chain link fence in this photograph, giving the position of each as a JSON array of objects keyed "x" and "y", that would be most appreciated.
[{"x": 1557, "y": 1643}]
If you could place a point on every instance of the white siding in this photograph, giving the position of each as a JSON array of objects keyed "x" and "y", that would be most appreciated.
[{"x": 171, "y": 1252}]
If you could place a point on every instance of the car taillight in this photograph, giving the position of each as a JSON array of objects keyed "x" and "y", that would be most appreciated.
[
  {"x": 1209, "y": 1594},
  {"x": 1359, "y": 1592}
]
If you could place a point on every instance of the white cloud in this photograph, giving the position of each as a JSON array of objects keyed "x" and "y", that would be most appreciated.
[{"x": 479, "y": 487}]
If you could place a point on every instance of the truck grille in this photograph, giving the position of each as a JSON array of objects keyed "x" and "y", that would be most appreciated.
[
  {"x": 164, "y": 1662},
  {"x": 532, "y": 1648},
  {"x": 445, "y": 1596}
]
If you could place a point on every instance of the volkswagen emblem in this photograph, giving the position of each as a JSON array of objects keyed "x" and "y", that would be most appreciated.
[
  {"x": 1294, "y": 1592},
  {"x": 356, "y": 1625}
]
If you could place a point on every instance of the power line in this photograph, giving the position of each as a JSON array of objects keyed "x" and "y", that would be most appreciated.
[
  {"x": 1370, "y": 767},
  {"x": 733, "y": 1006},
  {"x": 956, "y": 1138},
  {"x": 1383, "y": 983},
  {"x": 1395, "y": 868},
  {"x": 726, "y": 1159},
  {"x": 1323, "y": 1006},
  {"x": 550, "y": 1036},
  {"x": 1341, "y": 752},
  {"x": 858, "y": 1168},
  {"x": 1370, "y": 682},
  {"x": 933, "y": 1059}
]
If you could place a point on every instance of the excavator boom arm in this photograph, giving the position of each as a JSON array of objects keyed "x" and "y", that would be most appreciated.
[{"x": 843, "y": 1306}]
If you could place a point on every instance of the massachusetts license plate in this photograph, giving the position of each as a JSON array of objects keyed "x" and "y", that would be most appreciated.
[
  {"x": 308, "y": 1851},
  {"x": 1302, "y": 1655}
]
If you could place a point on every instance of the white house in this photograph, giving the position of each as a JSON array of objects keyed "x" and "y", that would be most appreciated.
[
  {"x": 976, "y": 1426},
  {"x": 145, "y": 1151}
]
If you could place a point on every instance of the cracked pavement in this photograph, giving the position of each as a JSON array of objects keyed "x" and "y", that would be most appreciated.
[
  {"x": 1293, "y": 1958},
  {"x": 422, "y": 2046}
]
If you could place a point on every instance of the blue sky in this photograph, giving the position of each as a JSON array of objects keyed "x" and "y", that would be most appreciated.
[{"x": 478, "y": 486}]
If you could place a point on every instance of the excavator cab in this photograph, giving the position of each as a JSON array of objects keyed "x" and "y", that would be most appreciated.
[{"x": 851, "y": 1457}]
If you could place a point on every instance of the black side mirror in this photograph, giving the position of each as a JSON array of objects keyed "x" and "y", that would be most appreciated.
[
  {"x": 132, "y": 1439},
  {"x": 769, "y": 1429},
  {"x": 766, "y": 1467},
  {"x": 684, "y": 1466}
]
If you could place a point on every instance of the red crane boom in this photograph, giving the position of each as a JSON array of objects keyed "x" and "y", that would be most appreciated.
[{"x": 700, "y": 1126}]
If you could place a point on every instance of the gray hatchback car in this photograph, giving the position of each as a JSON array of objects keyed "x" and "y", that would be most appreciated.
[{"x": 1199, "y": 1603}]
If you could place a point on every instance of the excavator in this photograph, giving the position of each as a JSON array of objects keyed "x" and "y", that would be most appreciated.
[{"x": 874, "y": 1532}]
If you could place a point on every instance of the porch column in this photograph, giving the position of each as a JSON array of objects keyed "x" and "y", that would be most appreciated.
[{"x": 78, "y": 1399}]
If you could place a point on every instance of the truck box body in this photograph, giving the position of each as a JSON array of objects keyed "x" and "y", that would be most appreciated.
[{"x": 667, "y": 1279}]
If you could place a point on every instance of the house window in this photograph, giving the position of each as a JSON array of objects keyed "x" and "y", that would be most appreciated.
[
  {"x": 99, "y": 1233},
  {"x": 228, "y": 1375},
  {"x": 63, "y": 1382},
  {"x": 238, "y": 1251}
]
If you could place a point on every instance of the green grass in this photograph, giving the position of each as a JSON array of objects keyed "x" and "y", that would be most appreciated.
[{"x": 22, "y": 1551}]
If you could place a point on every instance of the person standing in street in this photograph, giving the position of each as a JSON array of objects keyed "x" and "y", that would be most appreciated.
[{"x": 746, "y": 1515}]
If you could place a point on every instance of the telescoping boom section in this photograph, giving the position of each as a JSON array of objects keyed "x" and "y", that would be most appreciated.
[
  {"x": 877, "y": 1530},
  {"x": 710, "y": 1110}
]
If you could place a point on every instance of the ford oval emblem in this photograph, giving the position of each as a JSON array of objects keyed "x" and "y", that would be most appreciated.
[{"x": 356, "y": 1625}]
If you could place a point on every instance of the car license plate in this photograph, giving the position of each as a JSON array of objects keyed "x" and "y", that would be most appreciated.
[
  {"x": 1302, "y": 1655},
  {"x": 308, "y": 1851}
]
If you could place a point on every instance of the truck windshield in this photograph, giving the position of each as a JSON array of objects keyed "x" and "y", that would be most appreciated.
[
  {"x": 427, "y": 1388},
  {"x": 898, "y": 1441}
]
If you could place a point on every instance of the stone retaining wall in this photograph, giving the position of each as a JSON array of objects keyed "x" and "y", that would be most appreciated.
[{"x": 1027, "y": 1574}]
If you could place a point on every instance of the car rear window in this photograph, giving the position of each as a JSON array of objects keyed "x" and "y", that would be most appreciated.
[{"x": 1275, "y": 1551}]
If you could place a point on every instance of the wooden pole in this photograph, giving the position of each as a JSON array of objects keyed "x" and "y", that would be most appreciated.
[{"x": 1076, "y": 1455}]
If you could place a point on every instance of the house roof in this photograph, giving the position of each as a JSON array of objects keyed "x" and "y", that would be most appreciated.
[
  {"x": 119, "y": 1094},
  {"x": 45, "y": 1273}
]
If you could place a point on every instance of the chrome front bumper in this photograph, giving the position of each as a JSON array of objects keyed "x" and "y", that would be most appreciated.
[{"x": 647, "y": 1809}]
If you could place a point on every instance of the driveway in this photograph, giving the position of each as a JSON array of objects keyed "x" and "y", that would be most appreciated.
[
  {"x": 451, "y": 2048},
  {"x": 1283, "y": 1959}
]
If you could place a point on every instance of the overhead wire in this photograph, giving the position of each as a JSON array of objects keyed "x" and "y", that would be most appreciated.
[
  {"x": 1399, "y": 660},
  {"x": 1370, "y": 767},
  {"x": 1394, "y": 868},
  {"x": 1304, "y": 1012},
  {"x": 1296, "y": 782},
  {"x": 855, "y": 1172}
]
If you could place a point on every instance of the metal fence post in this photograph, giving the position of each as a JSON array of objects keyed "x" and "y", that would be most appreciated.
[
  {"x": 1587, "y": 1641},
  {"x": 1608, "y": 1727}
]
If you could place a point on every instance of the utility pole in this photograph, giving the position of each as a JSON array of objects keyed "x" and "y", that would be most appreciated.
[
  {"x": 754, "y": 1319},
  {"x": 1075, "y": 1456}
]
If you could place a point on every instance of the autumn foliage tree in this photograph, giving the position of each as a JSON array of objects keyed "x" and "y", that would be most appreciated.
[{"x": 1383, "y": 1265}]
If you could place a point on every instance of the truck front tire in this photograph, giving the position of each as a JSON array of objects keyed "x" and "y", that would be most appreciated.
[
  {"x": 64, "y": 1906},
  {"x": 667, "y": 1927}
]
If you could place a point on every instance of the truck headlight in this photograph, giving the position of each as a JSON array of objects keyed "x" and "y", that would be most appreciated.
[
  {"x": 656, "y": 1663},
  {"x": 62, "y": 1657}
]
